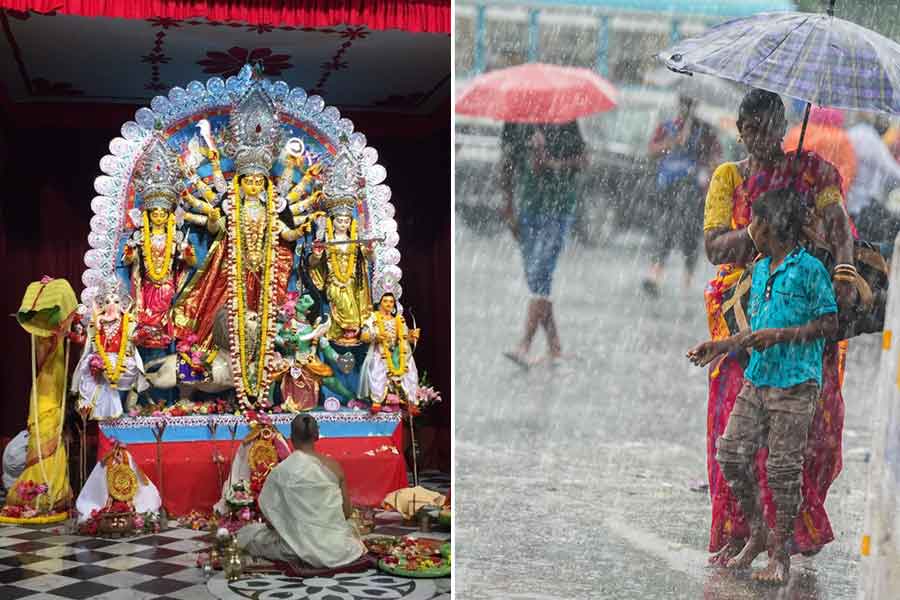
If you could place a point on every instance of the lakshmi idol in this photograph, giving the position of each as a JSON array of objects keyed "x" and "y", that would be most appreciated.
[
  {"x": 157, "y": 252},
  {"x": 249, "y": 261}
]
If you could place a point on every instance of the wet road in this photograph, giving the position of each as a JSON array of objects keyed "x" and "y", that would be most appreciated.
[{"x": 575, "y": 482}]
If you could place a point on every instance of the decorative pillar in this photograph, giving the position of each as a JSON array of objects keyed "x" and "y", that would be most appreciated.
[
  {"x": 480, "y": 31},
  {"x": 602, "y": 65},
  {"x": 675, "y": 31},
  {"x": 534, "y": 34}
]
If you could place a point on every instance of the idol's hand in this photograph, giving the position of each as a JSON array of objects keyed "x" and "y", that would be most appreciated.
[
  {"x": 214, "y": 215},
  {"x": 414, "y": 334}
]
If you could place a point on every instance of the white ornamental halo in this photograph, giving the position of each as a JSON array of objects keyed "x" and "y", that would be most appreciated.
[{"x": 108, "y": 225}]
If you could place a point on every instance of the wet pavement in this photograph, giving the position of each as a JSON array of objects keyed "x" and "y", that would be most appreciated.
[{"x": 575, "y": 481}]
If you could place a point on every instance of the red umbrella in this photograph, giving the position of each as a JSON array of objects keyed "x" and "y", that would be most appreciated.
[{"x": 537, "y": 93}]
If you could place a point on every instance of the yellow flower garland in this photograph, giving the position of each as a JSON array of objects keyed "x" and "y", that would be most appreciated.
[
  {"x": 113, "y": 374},
  {"x": 400, "y": 369},
  {"x": 238, "y": 289},
  {"x": 334, "y": 264},
  {"x": 149, "y": 265}
]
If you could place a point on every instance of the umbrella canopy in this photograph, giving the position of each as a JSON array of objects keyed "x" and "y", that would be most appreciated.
[
  {"x": 703, "y": 88},
  {"x": 537, "y": 93},
  {"x": 814, "y": 57}
]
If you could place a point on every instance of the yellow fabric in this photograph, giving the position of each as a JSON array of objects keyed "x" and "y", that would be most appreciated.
[
  {"x": 44, "y": 520},
  {"x": 719, "y": 198},
  {"x": 46, "y": 410},
  {"x": 45, "y": 306},
  {"x": 828, "y": 196},
  {"x": 351, "y": 303},
  {"x": 408, "y": 501}
]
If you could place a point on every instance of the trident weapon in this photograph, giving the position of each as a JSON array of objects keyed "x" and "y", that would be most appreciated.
[
  {"x": 158, "y": 430},
  {"x": 343, "y": 242}
]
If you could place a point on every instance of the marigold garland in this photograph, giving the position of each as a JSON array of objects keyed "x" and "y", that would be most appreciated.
[
  {"x": 334, "y": 263},
  {"x": 113, "y": 374},
  {"x": 238, "y": 291},
  {"x": 400, "y": 369},
  {"x": 149, "y": 264}
]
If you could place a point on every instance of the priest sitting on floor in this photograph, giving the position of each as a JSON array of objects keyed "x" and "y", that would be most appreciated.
[{"x": 306, "y": 504}]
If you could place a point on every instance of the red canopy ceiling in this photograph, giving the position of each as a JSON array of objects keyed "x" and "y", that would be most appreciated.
[
  {"x": 430, "y": 16},
  {"x": 52, "y": 58}
]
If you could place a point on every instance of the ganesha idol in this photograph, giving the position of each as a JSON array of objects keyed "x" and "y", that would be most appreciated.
[{"x": 110, "y": 368}]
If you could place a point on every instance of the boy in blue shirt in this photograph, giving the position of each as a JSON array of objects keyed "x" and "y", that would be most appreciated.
[{"x": 792, "y": 311}]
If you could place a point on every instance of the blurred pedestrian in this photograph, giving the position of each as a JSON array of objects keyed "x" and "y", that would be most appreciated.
[
  {"x": 825, "y": 135},
  {"x": 539, "y": 166},
  {"x": 877, "y": 173},
  {"x": 733, "y": 190},
  {"x": 686, "y": 150}
]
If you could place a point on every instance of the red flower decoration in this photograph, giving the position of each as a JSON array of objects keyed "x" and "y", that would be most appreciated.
[
  {"x": 334, "y": 64},
  {"x": 164, "y": 22},
  {"x": 260, "y": 28},
  {"x": 230, "y": 63},
  {"x": 355, "y": 33}
]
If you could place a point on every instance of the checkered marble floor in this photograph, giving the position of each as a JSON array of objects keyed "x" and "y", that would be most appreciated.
[{"x": 48, "y": 563}]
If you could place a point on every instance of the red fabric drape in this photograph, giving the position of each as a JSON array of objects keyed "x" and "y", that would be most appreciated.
[
  {"x": 190, "y": 481},
  {"x": 431, "y": 16}
]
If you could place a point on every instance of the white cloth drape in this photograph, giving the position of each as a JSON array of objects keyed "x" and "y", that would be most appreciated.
[
  {"x": 302, "y": 500},
  {"x": 95, "y": 493}
]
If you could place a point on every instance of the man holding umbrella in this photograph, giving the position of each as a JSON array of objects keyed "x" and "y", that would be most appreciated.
[{"x": 542, "y": 153}]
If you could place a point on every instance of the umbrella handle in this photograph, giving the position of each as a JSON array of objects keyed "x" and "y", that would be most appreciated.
[{"x": 803, "y": 127}]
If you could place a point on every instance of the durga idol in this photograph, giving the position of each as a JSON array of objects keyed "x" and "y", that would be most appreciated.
[{"x": 249, "y": 261}]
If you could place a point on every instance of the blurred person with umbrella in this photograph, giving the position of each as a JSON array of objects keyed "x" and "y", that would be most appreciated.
[
  {"x": 686, "y": 151},
  {"x": 542, "y": 153},
  {"x": 822, "y": 60},
  {"x": 826, "y": 136},
  {"x": 878, "y": 174}
]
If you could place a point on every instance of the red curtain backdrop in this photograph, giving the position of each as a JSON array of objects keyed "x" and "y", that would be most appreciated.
[
  {"x": 431, "y": 16},
  {"x": 48, "y": 172}
]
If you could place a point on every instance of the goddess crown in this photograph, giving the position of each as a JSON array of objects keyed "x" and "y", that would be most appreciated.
[
  {"x": 344, "y": 182},
  {"x": 255, "y": 133},
  {"x": 158, "y": 176}
]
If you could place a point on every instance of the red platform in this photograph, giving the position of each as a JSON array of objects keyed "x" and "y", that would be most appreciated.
[{"x": 373, "y": 462}]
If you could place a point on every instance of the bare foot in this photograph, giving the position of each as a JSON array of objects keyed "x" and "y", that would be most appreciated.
[
  {"x": 728, "y": 551},
  {"x": 518, "y": 357},
  {"x": 753, "y": 548},
  {"x": 777, "y": 571}
]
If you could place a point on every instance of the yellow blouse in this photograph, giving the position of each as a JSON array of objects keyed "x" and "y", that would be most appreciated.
[{"x": 727, "y": 177}]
